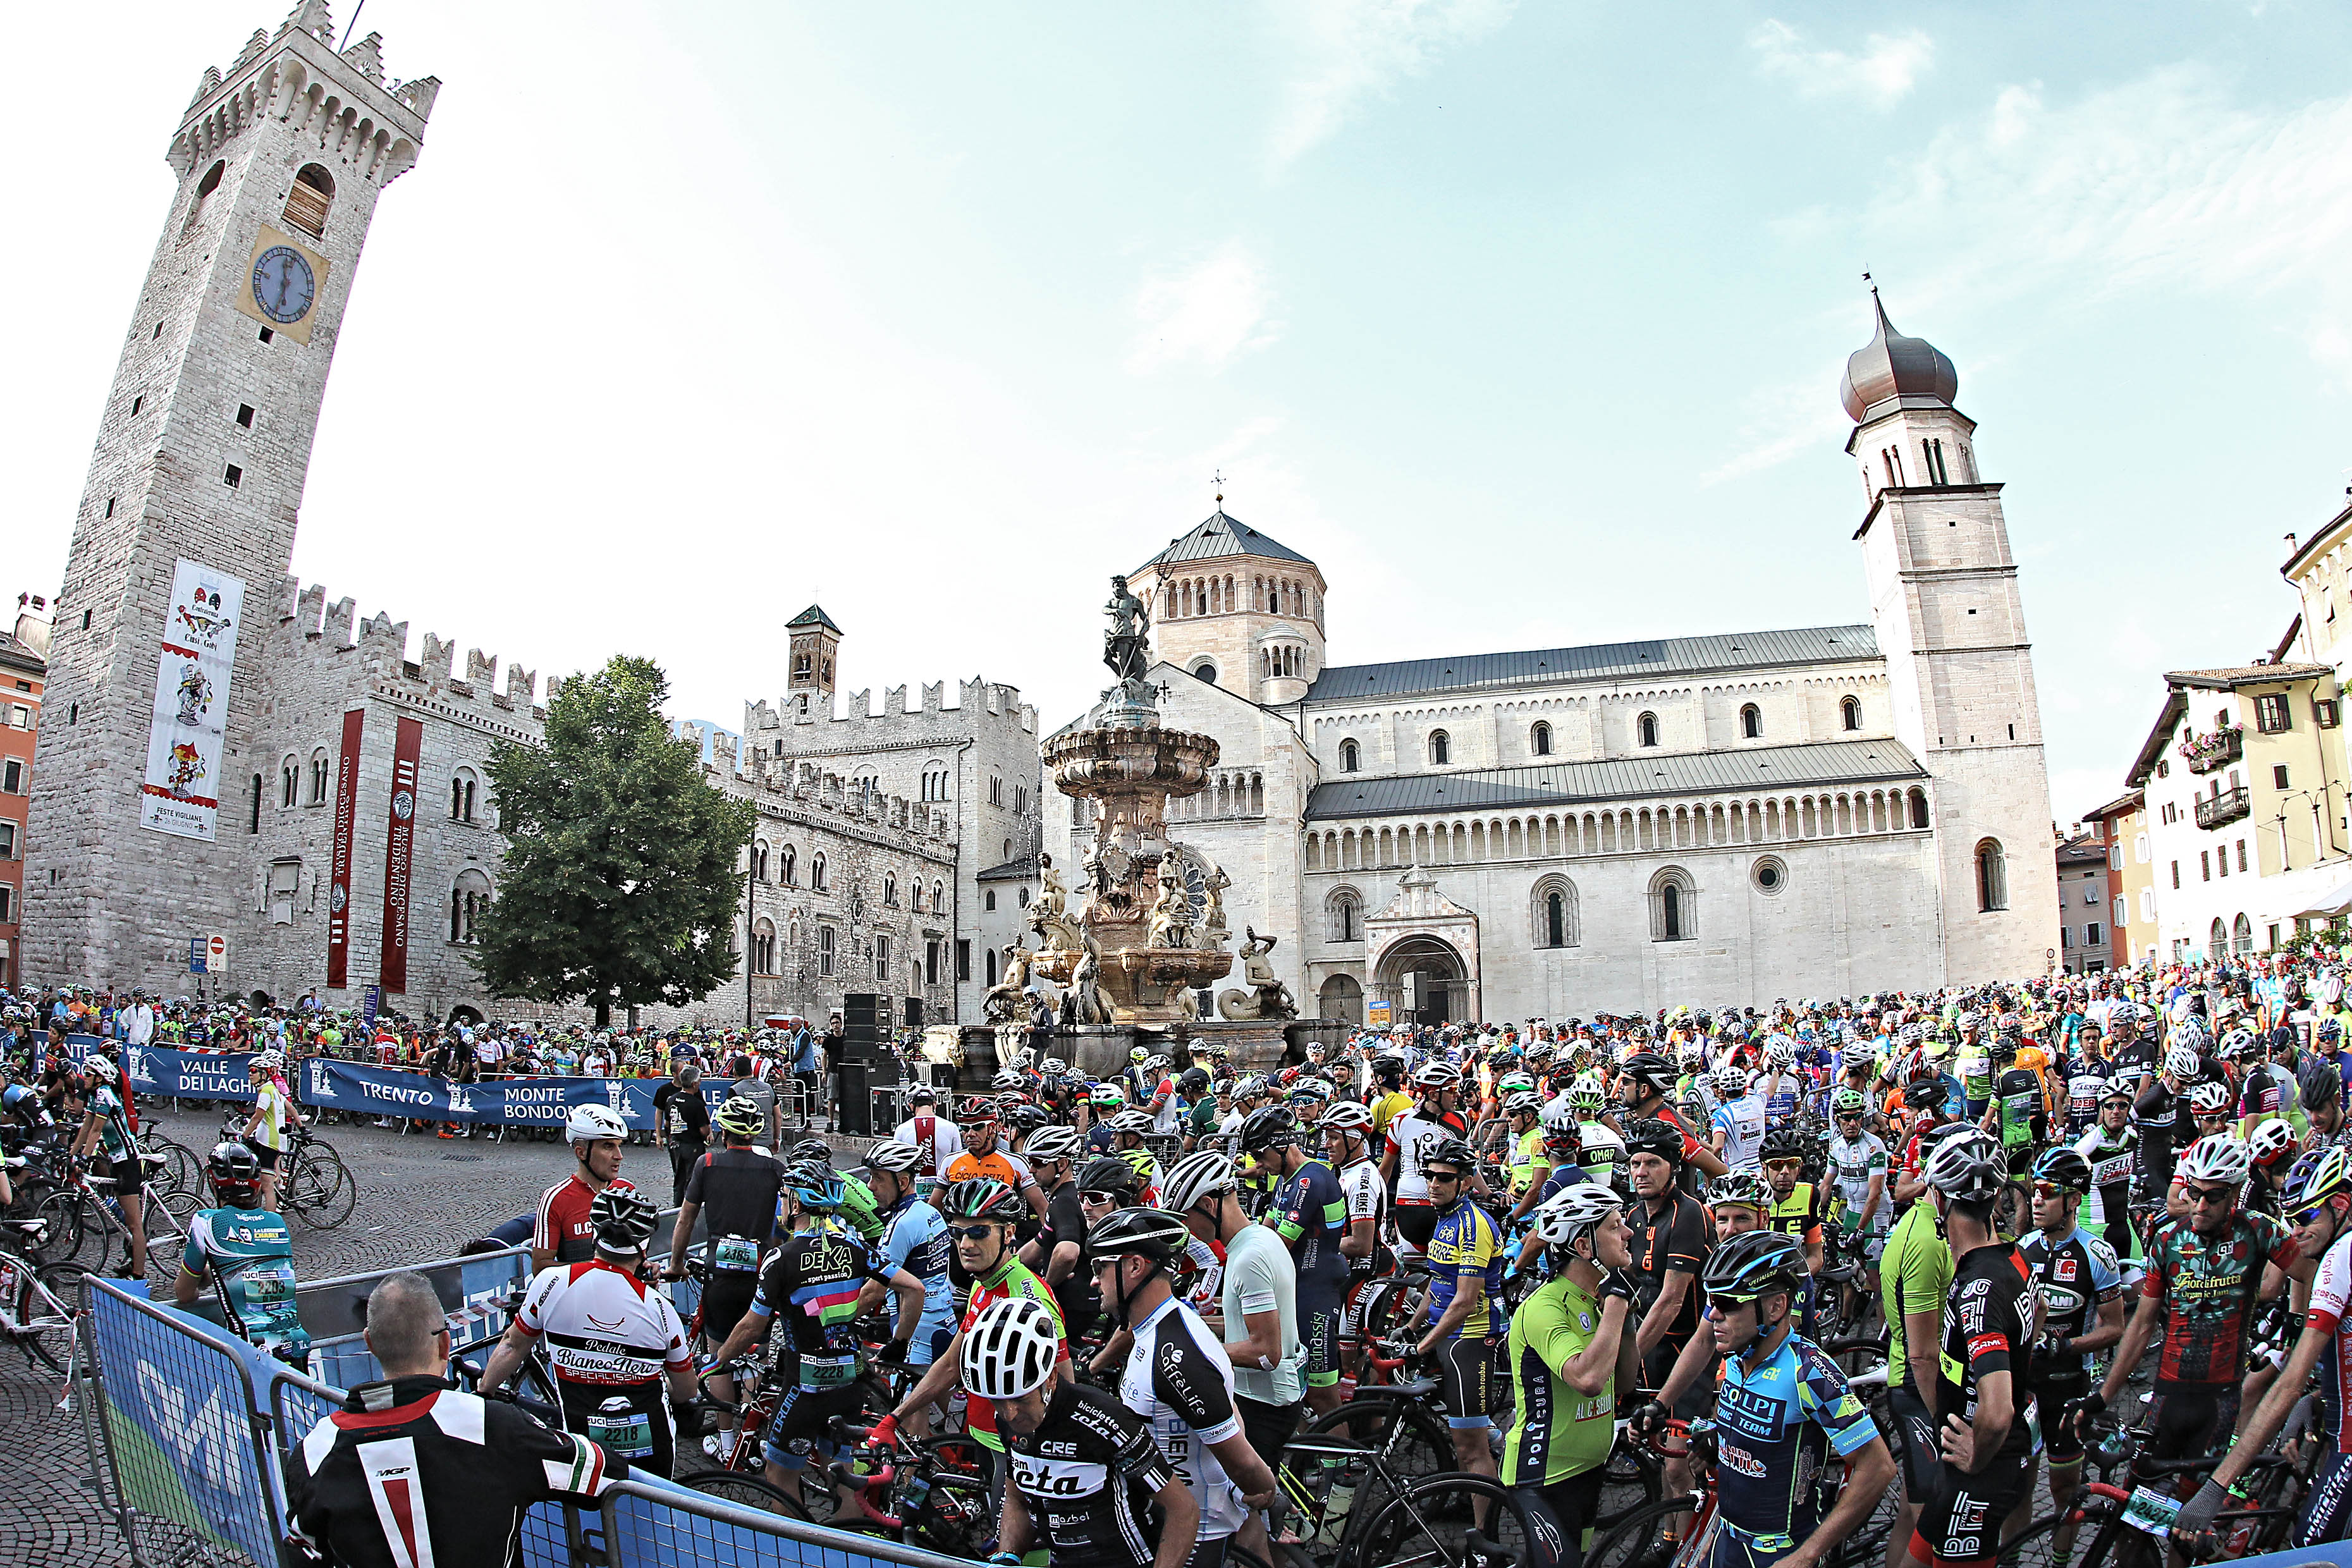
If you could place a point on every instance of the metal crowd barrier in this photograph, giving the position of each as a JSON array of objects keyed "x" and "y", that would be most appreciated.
[{"x": 187, "y": 1426}]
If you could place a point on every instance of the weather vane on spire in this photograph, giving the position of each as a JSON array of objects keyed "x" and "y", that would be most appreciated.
[
  {"x": 1219, "y": 480},
  {"x": 1867, "y": 278}
]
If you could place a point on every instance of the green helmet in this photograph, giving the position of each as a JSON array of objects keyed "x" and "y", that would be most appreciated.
[{"x": 1848, "y": 1102}]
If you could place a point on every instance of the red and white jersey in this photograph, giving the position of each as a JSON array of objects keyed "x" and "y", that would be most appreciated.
[
  {"x": 562, "y": 1225},
  {"x": 937, "y": 1137},
  {"x": 2331, "y": 1314},
  {"x": 603, "y": 1325}
]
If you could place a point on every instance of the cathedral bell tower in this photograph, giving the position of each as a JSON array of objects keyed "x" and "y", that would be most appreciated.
[
  {"x": 1951, "y": 625},
  {"x": 185, "y": 532},
  {"x": 1236, "y": 609}
]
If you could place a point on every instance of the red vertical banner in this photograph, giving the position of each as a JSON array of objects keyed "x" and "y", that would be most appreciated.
[
  {"x": 400, "y": 837},
  {"x": 339, "y": 887}
]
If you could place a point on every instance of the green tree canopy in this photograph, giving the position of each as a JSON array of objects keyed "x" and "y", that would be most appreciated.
[{"x": 620, "y": 884}]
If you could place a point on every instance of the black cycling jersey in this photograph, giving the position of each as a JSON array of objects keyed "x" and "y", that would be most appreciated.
[
  {"x": 451, "y": 1471},
  {"x": 1988, "y": 1327},
  {"x": 737, "y": 1189},
  {"x": 811, "y": 1281},
  {"x": 1088, "y": 1476},
  {"x": 2157, "y": 1115}
]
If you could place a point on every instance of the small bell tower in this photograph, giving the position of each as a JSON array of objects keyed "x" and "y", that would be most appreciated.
[{"x": 815, "y": 644}]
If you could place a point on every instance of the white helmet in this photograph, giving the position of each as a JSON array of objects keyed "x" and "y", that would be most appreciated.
[
  {"x": 1052, "y": 1143},
  {"x": 1347, "y": 1116},
  {"x": 595, "y": 1124},
  {"x": 1965, "y": 1166},
  {"x": 1437, "y": 1075},
  {"x": 2221, "y": 1160},
  {"x": 2270, "y": 1139},
  {"x": 1009, "y": 1349},
  {"x": 2209, "y": 1100},
  {"x": 1731, "y": 1081},
  {"x": 1573, "y": 1211},
  {"x": 1521, "y": 1100},
  {"x": 271, "y": 1063},
  {"x": 1195, "y": 1176},
  {"x": 1135, "y": 1121},
  {"x": 2181, "y": 1061},
  {"x": 890, "y": 1154},
  {"x": 1779, "y": 1052}
]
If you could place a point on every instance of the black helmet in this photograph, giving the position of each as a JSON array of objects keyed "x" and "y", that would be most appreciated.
[
  {"x": 622, "y": 1219},
  {"x": 816, "y": 1149},
  {"x": 1451, "y": 1152},
  {"x": 2063, "y": 1167},
  {"x": 235, "y": 1172},
  {"x": 1924, "y": 1094},
  {"x": 2318, "y": 1084},
  {"x": 1194, "y": 1080},
  {"x": 1272, "y": 1128},
  {"x": 1752, "y": 1264},
  {"x": 1025, "y": 1118},
  {"x": 1649, "y": 1135},
  {"x": 1139, "y": 1232},
  {"x": 1784, "y": 1143},
  {"x": 1110, "y": 1174},
  {"x": 1651, "y": 1071}
]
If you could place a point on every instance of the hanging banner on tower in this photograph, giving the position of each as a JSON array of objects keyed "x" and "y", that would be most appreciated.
[
  {"x": 181, "y": 794},
  {"x": 338, "y": 870},
  {"x": 400, "y": 836}
]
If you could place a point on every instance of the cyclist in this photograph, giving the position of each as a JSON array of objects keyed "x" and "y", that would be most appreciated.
[
  {"x": 563, "y": 1232},
  {"x": 1915, "y": 1276},
  {"x": 1672, "y": 1235},
  {"x": 2082, "y": 1290},
  {"x": 1856, "y": 1161},
  {"x": 2207, "y": 1272},
  {"x": 734, "y": 1189},
  {"x": 2019, "y": 1117},
  {"x": 1311, "y": 1215},
  {"x": 1783, "y": 1409},
  {"x": 611, "y": 1340},
  {"x": 1571, "y": 1350},
  {"x": 108, "y": 1142},
  {"x": 2319, "y": 1200},
  {"x": 1526, "y": 1157},
  {"x": 1177, "y": 1376},
  {"x": 2112, "y": 1148},
  {"x": 2157, "y": 1114},
  {"x": 1986, "y": 1441},
  {"x": 1410, "y": 1137},
  {"x": 1057, "y": 1253},
  {"x": 1643, "y": 1084},
  {"x": 982, "y": 1160},
  {"x": 1085, "y": 1468},
  {"x": 1347, "y": 1139},
  {"x": 932, "y": 1133},
  {"x": 273, "y": 1111},
  {"x": 1796, "y": 1207},
  {"x": 2320, "y": 1089},
  {"x": 1129, "y": 1129},
  {"x": 1463, "y": 1302},
  {"x": 471, "y": 1466},
  {"x": 814, "y": 1279},
  {"x": 1739, "y": 1125},
  {"x": 247, "y": 1253}
]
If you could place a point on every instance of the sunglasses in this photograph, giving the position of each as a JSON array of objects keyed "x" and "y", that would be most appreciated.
[
  {"x": 2048, "y": 1190},
  {"x": 1444, "y": 1176},
  {"x": 2306, "y": 1217},
  {"x": 2211, "y": 1197},
  {"x": 1784, "y": 1164},
  {"x": 971, "y": 1232}
]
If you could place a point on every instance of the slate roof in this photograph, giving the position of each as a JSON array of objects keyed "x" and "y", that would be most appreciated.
[
  {"x": 1220, "y": 535},
  {"x": 18, "y": 656},
  {"x": 1595, "y": 661},
  {"x": 814, "y": 616},
  {"x": 1022, "y": 870},
  {"x": 1764, "y": 768}
]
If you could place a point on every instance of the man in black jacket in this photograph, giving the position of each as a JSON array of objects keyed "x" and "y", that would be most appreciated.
[{"x": 412, "y": 1471}]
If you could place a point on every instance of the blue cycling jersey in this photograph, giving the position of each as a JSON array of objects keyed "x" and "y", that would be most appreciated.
[
  {"x": 1775, "y": 1428},
  {"x": 253, "y": 1253},
  {"x": 916, "y": 1241},
  {"x": 1466, "y": 1245}
]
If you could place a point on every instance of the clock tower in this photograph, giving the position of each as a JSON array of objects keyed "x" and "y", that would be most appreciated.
[{"x": 196, "y": 478}]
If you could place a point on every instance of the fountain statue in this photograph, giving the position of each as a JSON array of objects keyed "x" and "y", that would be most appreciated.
[{"x": 1152, "y": 927}]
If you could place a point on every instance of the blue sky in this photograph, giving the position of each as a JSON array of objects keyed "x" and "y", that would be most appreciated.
[{"x": 1525, "y": 322}]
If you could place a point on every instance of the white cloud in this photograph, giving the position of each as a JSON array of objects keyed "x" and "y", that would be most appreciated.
[
  {"x": 1205, "y": 315},
  {"x": 1886, "y": 70},
  {"x": 1782, "y": 421},
  {"x": 1357, "y": 49}
]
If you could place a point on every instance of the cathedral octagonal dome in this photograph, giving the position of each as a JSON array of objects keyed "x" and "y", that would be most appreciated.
[{"x": 1891, "y": 366}]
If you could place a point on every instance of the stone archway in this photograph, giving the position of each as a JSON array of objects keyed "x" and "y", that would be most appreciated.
[
  {"x": 1441, "y": 981},
  {"x": 1342, "y": 997}
]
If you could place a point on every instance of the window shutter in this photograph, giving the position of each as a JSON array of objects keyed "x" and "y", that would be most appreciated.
[{"x": 306, "y": 209}]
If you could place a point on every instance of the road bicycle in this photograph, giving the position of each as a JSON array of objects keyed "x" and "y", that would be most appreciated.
[
  {"x": 930, "y": 1492},
  {"x": 39, "y": 1301},
  {"x": 1341, "y": 1505},
  {"x": 89, "y": 1208},
  {"x": 1643, "y": 1539},
  {"x": 2132, "y": 1528},
  {"x": 314, "y": 1185}
]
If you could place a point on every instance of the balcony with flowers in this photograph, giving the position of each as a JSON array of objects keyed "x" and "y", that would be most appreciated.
[{"x": 2203, "y": 754}]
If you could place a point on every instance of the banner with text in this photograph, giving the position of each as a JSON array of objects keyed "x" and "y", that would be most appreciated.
[
  {"x": 518, "y": 1101},
  {"x": 338, "y": 870},
  {"x": 196, "y": 653},
  {"x": 400, "y": 837}
]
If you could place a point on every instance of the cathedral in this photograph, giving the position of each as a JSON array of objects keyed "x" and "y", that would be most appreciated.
[{"x": 1727, "y": 819}]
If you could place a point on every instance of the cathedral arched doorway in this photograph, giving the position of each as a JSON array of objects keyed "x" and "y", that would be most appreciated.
[
  {"x": 1424, "y": 981},
  {"x": 1342, "y": 997}
]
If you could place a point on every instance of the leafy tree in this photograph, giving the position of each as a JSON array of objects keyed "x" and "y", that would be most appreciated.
[{"x": 620, "y": 884}]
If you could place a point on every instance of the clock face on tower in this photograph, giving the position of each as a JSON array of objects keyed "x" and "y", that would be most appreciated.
[{"x": 283, "y": 285}]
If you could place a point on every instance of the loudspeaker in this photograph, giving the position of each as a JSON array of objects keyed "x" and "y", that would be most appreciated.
[
  {"x": 862, "y": 1023},
  {"x": 914, "y": 1012}
]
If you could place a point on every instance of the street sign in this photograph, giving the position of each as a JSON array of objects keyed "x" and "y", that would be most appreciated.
[
  {"x": 196, "y": 955},
  {"x": 1376, "y": 1013},
  {"x": 216, "y": 955},
  {"x": 368, "y": 1010}
]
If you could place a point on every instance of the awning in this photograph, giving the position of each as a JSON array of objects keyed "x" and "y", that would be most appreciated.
[{"x": 2336, "y": 901}]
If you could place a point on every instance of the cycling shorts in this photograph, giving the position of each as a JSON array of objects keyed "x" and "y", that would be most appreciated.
[
  {"x": 1916, "y": 1446},
  {"x": 1560, "y": 1519},
  {"x": 2061, "y": 1440},
  {"x": 1416, "y": 1222},
  {"x": 1351, "y": 1310},
  {"x": 2187, "y": 1420},
  {"x": 1735, "y": 1548},
  {"x": 2328, "y": 1507},
  {"x": 262, "y": 1152},
  {"x": 1960, "y": 1522},
  {"x": 1692, "y": 1403},
  {"x": 1322, "y": 1347},
  {"x": 799, "y": 1427},
  {"x": 1469, "y": 1379},
  {"x": 725, "y": 1300}
]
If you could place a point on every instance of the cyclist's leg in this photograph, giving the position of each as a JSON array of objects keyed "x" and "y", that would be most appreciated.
[
  {"x": 2062, "y": 1445},
  {"x": 1918, "y": 1462},
  {"x": 2328, "y": 1509},
  {"x": 1959, "y": 1527},
  {"x": 1322, "y": 1336},
  {"x": 2186, "y": 1420},
  {"x": 1467, "y": 1380},
  {"x": 1559, "y": 1520}
]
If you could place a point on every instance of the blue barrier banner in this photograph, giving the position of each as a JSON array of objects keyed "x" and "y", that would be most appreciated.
[
  {"x": 514, "y": 1101},
  {"x": 187, "y": 1075}
]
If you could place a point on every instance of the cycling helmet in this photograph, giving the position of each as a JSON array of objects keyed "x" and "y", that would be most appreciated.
[
  {"x": 271, "y": 1063},
  {"x": 738, "y": 1116},
  {"x": 977, "y": 1111},
  {"x": 1310, "y": 1091},
  {"x": 1251, "y": 1087},
  {"x": 2317, "y": 1177},
  {"x": 1731, "y": 1081},
  {"x": 1784, "y": 1143},
  {"x": 1514, "y": 1083},
  {"x": 815, "y": 1186},
  {"x": 1347, "y": 1116},
  {"x": 1155, "y": 1234},
  {"x": 1054, "y": 1067},
  {"x": 1586, "y": 1096},
  {"x": 2181, "y": 1061},
  {"x": 2221, "y": 1160},
  {"x": 595, "y": 1124},
  {"x": 1739, "y": 1188},
  {"x": 235, "y": 1172},
  {"x": 813, "y": 1149},
  {"x": 1753, "y": 1263},
  {"x": 1522, "y": 1100},
  {"x": 1140, "y": 1160},
  {"x": 1053, "y": 1143},
  {"x": 1434, "y": 1075},
  {"x": 1651, "y": 1071},
  {"x": 1022, "y": 1116},
  {"x": 1194, "y": 1177},
  {"x": 1573, "y": 1211},
  {"x": 2272, "y": 1141},
  {"x": 1193, "y": 1081},
  {"x": 1966, "y": 1168},
  {"x": 1004, "y": 1080},
  {"x": 1155, "y": 1064},
  {"x": 1110, "y": 1174},
  {"x": 1138, "y": 1054},
  {"x": 2329, "y": 1030},
  {"x": 1106, "y": 1097},
  {"x": 892, "y": 1155},
  {"x": 622, "y": 1219},
  {"x": 1848, "y": 1102},
  {"x": 981, "y": 1198},
  {"x": 2209, "y": 1100},
  {"x": 1779, "y": 1052},
  {"x": 1451, "y": 1152},
  {"x": 1924, "y": 1094},
  {"x": 2064, "y": 1167},
  {"x": 1650, "y": 1135},
  {"x": 1136, "y": 1121},
  {"x": 2241, "y": 1042},
  {"x": 2123, "y": 1086},
  {"x": 2319, "y": 1085},
  {"x": 1009, "y": 1349},
  {"x": 2122, "y": 1015},
  {"x": 1274, "y": 1127}
]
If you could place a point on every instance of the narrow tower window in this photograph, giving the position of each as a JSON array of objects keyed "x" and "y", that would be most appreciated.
[
  {"x": 1751, "y": 722},
  {"x": 307, "y": 199},
  {"x": 1645, "y": 729},
  {"x": 1539, "y": 742}
]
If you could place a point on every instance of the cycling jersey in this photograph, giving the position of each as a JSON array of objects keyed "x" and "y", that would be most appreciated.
[
  {"x": 1178, "y": 1379},
  {"x": 1258, "y": 1277},
  {"x": 2076, "y": 1274},
  {"x": 1798, "y": 1215},
  {"x": 1988, "y": 1325},
  {"x": 609, "y": 1338},
  {"x": 1414, "y": 1135},
  {"x": 2087, "y": 1082},
  {"x": 1311, "y": 1213},
  {"x": 1555, "y": 1431},
  {"x": 2024, "y": 1115},
  {"x": 563, "y": 1225},
  {"x": 1088, "y": 1476},
  {"x": 737, "y": 1190},
  {"x": 995, "y": 1165},
  {"x": 2156, "y": 1113},
  {"x": 1674, "y": 1240},
  {"x": 1742, "y": 1122},
  {"x": 2113, "y": 1157},
  {"x": 937, "y": 1137},
  {"x": 1523, "y": 1157},
  {"x": 1781, "y": 1105},
  {"x": 2209, "y": 1285},
  {"x": 114, "y": 1128},
  {"x": 1387, "y": 1109},
  {"x": 252, "y": 1252},
  {"x": 916, "y": 1239},
  {"x": 1466, "y": 1246},
  {"x": 1774, "y": 1428},
  {"x": 1366, "y": 1198},
  {"x": 275, "y": 1110},
  {"x": 1976, "y": 1079},
  {"x": 1011, "y": 1278},
  {"x": 2331, "y": 1314},
  {"x": 1852, "y": 1162},
  {"x": 1915, "y": 1275}
]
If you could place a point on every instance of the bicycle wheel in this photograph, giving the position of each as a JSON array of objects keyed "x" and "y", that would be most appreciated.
[
  {"x": 1639, "y": 1539},
  {"x": 320, "y": 1189},
  {"x": 1409, "y": 1440},
  {"x": 2036, "y": 1545},
  {"x": 745, "y": 1491},
  {"x": 182, "y": 1171},
  {"x": 1630, "y": 1479},
  {"x": 61, "y": 1215},
  {"x": 1433, "y": 1522},
  {"x": 44, "y": 1311}
]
